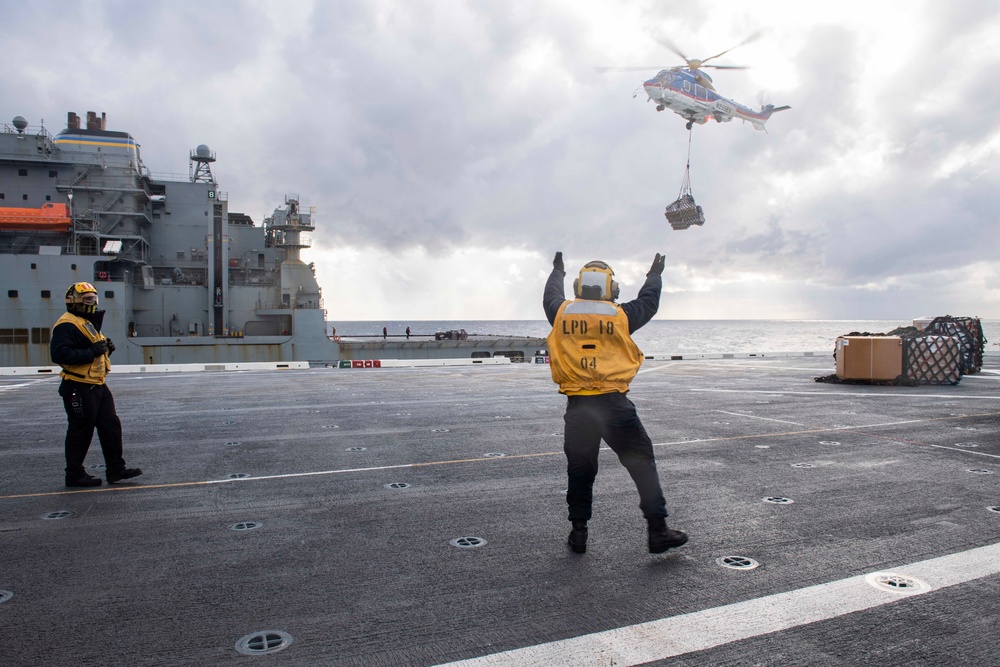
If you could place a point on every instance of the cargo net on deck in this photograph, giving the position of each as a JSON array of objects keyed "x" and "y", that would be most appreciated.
[
  {"x": 968, "y": 331},
  {"x": 940, "y": 353}
]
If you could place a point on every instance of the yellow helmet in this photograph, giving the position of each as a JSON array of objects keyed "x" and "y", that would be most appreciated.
[
  {"x": 596, "y": 282},
  {"x": 81, "y": 298}
]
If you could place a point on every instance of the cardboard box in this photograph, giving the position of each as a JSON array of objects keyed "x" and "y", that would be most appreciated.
[{"x": 869, "y": 357}]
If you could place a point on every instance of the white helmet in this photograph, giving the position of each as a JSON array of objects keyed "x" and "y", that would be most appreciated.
[{"x": 596, "y": 282}]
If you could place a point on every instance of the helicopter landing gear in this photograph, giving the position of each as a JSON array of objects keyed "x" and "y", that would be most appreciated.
[
  {"x": 690, "y": 124},
  {"x": 660, "y": 107}
]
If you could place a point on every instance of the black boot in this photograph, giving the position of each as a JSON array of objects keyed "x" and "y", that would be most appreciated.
[
  {"x": 124, "y": 473},
  {"x": 578, "y": 537},
  {"x": 662, "y": 538},
  {"x": 82, "y": 479}
]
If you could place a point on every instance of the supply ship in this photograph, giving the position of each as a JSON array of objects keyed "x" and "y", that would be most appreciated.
[{"x": 183, "y": 278}]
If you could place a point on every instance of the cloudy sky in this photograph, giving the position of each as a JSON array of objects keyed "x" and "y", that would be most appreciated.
[{"x": 451, "y": 147}]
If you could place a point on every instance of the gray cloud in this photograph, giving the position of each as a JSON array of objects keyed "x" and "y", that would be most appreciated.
[{"x": 483, "y": 125}]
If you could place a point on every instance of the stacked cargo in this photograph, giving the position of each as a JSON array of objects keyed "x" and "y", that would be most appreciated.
[{"x": 933, "y": 351}]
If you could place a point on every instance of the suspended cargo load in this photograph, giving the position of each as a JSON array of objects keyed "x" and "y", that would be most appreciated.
[{"x": 685, "y": 212}]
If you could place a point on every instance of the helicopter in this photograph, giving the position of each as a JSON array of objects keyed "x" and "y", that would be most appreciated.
[{"x": 689, "y": 92}]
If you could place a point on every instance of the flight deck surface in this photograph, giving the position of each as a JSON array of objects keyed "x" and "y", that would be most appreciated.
[{"x": 417, "y": 517}]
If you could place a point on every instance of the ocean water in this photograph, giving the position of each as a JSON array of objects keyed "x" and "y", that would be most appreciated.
[{"x": 675, "y": 336}]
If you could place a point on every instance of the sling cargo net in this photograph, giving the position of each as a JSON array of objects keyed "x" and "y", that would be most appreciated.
[
  {"x": 930, "y": 359},
  {"x": 967, "y": 330},
  {"x": 685, "y": 212},
  {"x": 970, "y": 331}
]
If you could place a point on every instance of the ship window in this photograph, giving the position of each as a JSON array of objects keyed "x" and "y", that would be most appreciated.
[
  {"x": 46, "y": 294},
  {"x": 48, "y": 197},
  {"x": 22, "y": 172},
  {"x": 2, "y": 196},
  {"x": 73, "y": 266},
  {"x": 180, "y": 254},
  {"x": 53, "y": 174},
  {"x": 13, "y": 336},
  {"x": 12, "y": 293},
  {"x": 40, "y": 336},
  {"x": 34, "y": 266},
  {"x": 24, "y": 197},
  {"x": 109, "y": 294}
]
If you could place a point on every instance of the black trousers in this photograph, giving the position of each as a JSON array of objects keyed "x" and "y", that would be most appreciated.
[
  {"x": 610, "y": 417},
  {"x": 96, "y": 409}
]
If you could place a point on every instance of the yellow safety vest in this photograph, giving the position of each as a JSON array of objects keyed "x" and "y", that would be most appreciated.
[
  {"x": 591, "y": 350},
  {"x": 95, "y": 371}
]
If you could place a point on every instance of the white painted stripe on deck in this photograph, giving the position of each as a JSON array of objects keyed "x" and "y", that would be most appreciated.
[
  {"x": 740, "y": 414},
  {"x": 701, "y": 630},
  {"x": 8, "y": 387},
  {"x": 885, "y": 394}
]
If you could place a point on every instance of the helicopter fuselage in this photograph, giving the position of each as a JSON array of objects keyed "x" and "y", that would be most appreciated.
[{"x": 690, "y": 94}]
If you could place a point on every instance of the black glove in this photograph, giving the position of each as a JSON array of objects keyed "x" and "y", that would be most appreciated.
[
  {"x": 557, "y": 263},
  {"x": 99, "y": 348},
  {"x": 111, "y": 346},
  {"x": 657, "y": 266}
]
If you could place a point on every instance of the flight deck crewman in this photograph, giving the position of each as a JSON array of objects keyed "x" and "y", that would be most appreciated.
[
  {"x": 78, "y": 345},
  {"x": 593, "y": 360}
]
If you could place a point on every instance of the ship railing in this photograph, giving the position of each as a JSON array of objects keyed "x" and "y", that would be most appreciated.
[
  {"x": 99, "y": 185},
  {"x": 168, "y": 177},
  {"x": 300, "y": 243},
  {"x": 32, "y": 130},
  {"x": 251, "y": 280},
  {"x": 29, "y": 247}
]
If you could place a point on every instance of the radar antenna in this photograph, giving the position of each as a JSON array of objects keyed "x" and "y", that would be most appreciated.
[{"x": 202, "y": 156}]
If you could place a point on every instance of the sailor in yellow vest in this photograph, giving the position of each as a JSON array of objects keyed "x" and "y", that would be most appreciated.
[
  {"x": 78, "y": 345},
  {"x": 593, "y": 360}
]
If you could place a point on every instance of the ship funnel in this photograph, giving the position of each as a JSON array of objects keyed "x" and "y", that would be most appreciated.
[{"x": 95, "y": 123}]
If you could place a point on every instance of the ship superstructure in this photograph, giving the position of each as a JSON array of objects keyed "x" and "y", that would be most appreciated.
[{"x": 182, "y": 277}]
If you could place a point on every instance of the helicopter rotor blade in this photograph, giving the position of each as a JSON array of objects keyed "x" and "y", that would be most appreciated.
[
  {"x": 668, "y": 44},
  {"x": 605, "y": 70},
  {"x": 726, "y": 67},
  {"x": 755, "y": 36}
]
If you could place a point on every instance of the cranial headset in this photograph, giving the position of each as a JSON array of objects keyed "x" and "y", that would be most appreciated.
[
  {"x": 81, "y": 298},
  {"x": 596, "y": 282}
]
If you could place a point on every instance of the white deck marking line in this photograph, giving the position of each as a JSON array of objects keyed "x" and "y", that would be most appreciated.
[
  {"x": 22, "y": 384},
  {"x": 510, "y": 457},
  {"x": 738, "y": 414},
  {"x": 697, "y": 631},
  {"x": 967, "y": 451},
  {"x": 837, "y": 393}
]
